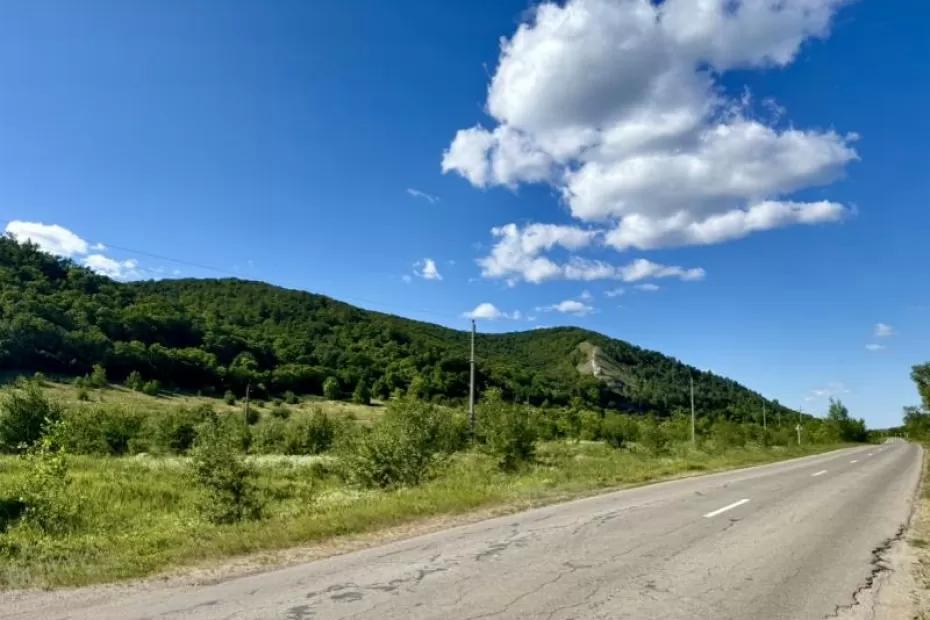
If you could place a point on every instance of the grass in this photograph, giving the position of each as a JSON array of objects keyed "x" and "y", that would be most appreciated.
[
  {"x": 139, "y": 513},
  {"x": 123, "y": 397}
]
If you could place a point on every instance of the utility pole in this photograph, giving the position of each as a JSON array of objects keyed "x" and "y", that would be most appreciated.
[
  {"x": 693, "y": 436},
  {"x": 471, "y": 383},
  {"x": 764, "y": 427}
]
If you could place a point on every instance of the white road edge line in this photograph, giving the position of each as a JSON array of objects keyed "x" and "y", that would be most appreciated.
[
  {"x": 854, "y": 461},
  {"x": 869, "y": 454},
  {"x": 725, "y": 508},
  {"x": 818, "y": 473}
]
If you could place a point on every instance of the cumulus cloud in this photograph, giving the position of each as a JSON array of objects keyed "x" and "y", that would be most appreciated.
[
  {"x": 106, "y": 266},
  {"x": 490, "y": 312},
  {"x": 615, "y": 292},
  {"x": 60, "y": 241},
  {"x": 617, "y": 104},
  {"x": 569, "y": 306},
  {"x": 883, "y": 330},
  {"x": 50, "y": 238},
  {"x": 416, "y": 193},
  {"x": 427, "y": 269},
  {"x": 518, "y": 255}
]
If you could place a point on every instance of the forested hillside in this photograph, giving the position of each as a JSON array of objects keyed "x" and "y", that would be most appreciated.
[{"x": 214, "y": 335}]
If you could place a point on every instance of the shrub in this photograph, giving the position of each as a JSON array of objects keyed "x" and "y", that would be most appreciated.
[
  {"x": 291, "y": 398},
  {"x": 96, "y": 430},
  {"x": 151, "y": 388},
  {"x": 361, "y": 395},
  {"x": 653, "y": 435},
  {"x": 82, "y": 394},
  {"x": 269, "y": 437},
  {"x": 281, "y": 412},
  {"x": 252, "y": 415},
  {"x": 331, "y": 389},
  {"x": 227, "y": 481},
  {"x": 98, "y": 377},
  {"x": 24, "y": 413},
  {"x": 403, "y": 445},
  {"x": 619, "y": 430},
  {"x": 48, "y": 504},
  {"x": 229, "y": 398},
  {"x": 505, "y": 430},
  {"x": 175, "y": 431},
  {"x": 310, "y": 434},
  {"x": 134, "y": 381},
  {"x": 728, "y": 434},
  {"x": 590, "y": 425}
]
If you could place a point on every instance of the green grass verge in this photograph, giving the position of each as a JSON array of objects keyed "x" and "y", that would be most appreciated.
[{"x": 139, "y": 514}]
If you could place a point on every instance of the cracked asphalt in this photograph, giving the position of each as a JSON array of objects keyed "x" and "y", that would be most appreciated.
[{"x": 802, "y": 546}]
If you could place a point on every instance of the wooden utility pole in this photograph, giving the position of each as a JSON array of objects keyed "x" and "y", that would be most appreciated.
[{"x": 471, "y": 383}]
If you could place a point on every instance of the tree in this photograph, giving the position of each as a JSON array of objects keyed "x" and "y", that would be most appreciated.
[
  {"x": 25, "y": 413},
  {"x": 220, "y": 470},
  {"x": 331, "y": 389},
  {"x": 361, "y": 395},
  {"x": 921, "y": 376},
  {"x": 98, "y": 377},
  {"x": 134, "y": 381}
]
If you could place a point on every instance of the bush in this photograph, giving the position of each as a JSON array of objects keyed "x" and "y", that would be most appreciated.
[
  {"x": 227, "y": 481},
  {"x": 176, "y": 430},
  {"x": 134, "y": 381},
  {"x": 404, "y": 445},
  {"x": 151, "y": 388},
  {"x": 361, "y": 395},
  {"x": 310, "y": 434},
  {"x": 98, "y": 377},
  {"x": 653, "y": 435},
  {"x": 96, "y": 430},
  {"x": 48, "y": 504},
  {"x": 591, "y": 425},
  {"x": 281, "y": 412},
  {"x": 331, "y": 389},
  {"x": 505, "y": 430},
  {"x": 619, "y": 430},
  {"x": 24, "y": 412},
  {"x": 727, "y": 434},
  {"x": 229, "y": 398},
  {"x": 291, "y": 398},
  {"x": 82, "y": 394},
  {"x": 269, "y": 437}
]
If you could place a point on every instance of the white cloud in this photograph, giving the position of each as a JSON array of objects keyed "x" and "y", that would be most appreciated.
[
  {"x": 427, "y": 269},
  {"x": 883, "y": 330},
  {"x": 873, "y": 346},
  {"x": 642, "y": 269},
  {"x": 649, "y": 287},
  {"x": 645, "y": 233},
  {"x": 830, "y": 390},
  {"x": 569, "y": 306},
  {"x": 518, "y": 255},
  {"x": 490, "y": 312},
  {"x": 586, "y": 295},
  {"x": 50, "y": 238},
  {"x": 618, "y": 105},
  {"x": 106, "y": 266},
  {"x": 615, "y": 292},
  {"x": 430, "y": 198}
]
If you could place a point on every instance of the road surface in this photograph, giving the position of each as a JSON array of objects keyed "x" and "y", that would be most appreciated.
[{"x": 791, "y": 540}]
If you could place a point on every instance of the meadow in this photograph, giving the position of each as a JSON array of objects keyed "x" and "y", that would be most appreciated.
[{"x": 91, "y": 506}]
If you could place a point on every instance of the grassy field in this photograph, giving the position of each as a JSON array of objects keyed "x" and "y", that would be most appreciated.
[
  {"x": 139, "y": 516},
  {"x": 120, "y": 396}
]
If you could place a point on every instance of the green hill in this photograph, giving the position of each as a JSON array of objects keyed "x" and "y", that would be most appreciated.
[{"x": 217, "y": 334}]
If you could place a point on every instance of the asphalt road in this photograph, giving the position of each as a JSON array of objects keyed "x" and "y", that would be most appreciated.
[{"x": 791, "y": 540}]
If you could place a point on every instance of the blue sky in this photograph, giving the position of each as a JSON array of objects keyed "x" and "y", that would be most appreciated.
[{"x": 770, "y": 167}]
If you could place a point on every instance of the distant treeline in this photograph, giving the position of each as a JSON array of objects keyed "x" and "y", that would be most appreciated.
[{"x": 215, "y": 335}]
